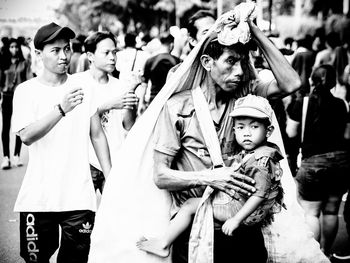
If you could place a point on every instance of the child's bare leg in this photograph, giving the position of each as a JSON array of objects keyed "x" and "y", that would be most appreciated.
[{"x": 161, "y": 246}]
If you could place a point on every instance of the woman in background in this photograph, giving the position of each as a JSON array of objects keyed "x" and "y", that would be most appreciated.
[{"x": 14, "y": 69}]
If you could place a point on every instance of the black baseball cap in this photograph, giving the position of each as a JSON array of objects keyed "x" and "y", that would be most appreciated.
[{"x": 50, "y": 32}]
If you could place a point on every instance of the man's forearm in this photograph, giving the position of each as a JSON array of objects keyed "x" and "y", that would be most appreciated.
[
  {"x": 40, "y": 128},
  {"x": 170, "y": 179},
  {"x": 129, "y": 118},
  {"x": 102, "y": 152},
  {"x": 224, "y": 178},
  {"x": 100, "y": 144},
  {"x": 175, "y": 180},
  {"x": 114, "y": 103},
  {"x": 287, "y": 78}
]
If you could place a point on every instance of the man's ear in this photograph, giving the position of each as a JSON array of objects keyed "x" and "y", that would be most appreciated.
[
  {"x": 270, "y": 130},
  {"x": 38, "y": 52},
  {"x": 90, "y": 56},
  {"x": 193, "y": 42},
  {"x": 207, "y": 62}
]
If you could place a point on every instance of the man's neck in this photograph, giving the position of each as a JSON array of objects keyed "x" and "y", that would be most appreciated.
[
  {"x": 99, "y": 75},
  {"x": 216, "y": 101},
  {"x": 52, "y": 79},
  {"x": 214, "y": 94}
]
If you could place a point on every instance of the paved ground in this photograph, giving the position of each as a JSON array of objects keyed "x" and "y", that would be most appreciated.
[{"x": 10, "y": 181}]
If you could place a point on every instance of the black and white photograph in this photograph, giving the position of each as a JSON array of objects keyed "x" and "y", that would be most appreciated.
[{"x": 175, "y": 131}]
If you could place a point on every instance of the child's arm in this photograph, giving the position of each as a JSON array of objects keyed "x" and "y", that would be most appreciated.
[{"x": 249, "y": 207}]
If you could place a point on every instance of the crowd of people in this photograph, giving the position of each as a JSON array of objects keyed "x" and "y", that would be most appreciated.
[{"x": 79, "y": 102}]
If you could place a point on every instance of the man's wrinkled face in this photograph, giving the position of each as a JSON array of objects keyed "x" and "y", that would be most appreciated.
[{"x": 228, "y": 70}]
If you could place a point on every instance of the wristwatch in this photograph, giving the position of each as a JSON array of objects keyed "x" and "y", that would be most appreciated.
[{"x": 59, "y": 107}]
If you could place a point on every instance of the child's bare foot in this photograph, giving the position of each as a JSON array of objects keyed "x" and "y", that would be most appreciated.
[{"x": 154, "y": 246}]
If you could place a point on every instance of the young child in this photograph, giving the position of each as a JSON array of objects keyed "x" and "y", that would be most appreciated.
[{"x": 258, "y": 159}]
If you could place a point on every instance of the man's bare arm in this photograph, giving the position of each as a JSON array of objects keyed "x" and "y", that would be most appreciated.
[
  {"x": 224, "y": 178},
  {"x": 99, "y": 142},
  {"x": 40, "y": 128},
  {"x": 287, "y": 78}
]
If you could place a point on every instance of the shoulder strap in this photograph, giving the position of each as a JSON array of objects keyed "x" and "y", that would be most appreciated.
[
  {"x": 207, "y": 127},
  {"x": 133, "y": 63},
  {"x": 303, "y": 116}
]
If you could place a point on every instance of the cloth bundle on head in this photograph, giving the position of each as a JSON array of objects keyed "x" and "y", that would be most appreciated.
[
  {"x": 132, "y": 206},
  {"x": 233, "y": 27}
]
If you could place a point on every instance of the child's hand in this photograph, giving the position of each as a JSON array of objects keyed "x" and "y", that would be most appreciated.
[{"x": 229, "y": 226}]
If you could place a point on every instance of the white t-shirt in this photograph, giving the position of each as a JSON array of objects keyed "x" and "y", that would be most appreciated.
[
  {"x": 58, "y": 176},
  {"x": 112, "y": 120}
]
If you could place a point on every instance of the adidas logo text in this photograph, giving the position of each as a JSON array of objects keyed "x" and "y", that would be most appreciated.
[
  {"x": 31, "y": 237},
  {"x": 86, "y": 228}
]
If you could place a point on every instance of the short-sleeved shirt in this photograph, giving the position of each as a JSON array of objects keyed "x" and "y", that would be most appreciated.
[
  {"x": 156, "y": 69},
  {"x": 112, "y": 120},
  {"x": 261, "y": 164},
  {"x": 178, "y": 134},
  {"x": 58, "y": 174},
  {"x": 325, "y": 123},
  {"x": 264, "y": 168}
]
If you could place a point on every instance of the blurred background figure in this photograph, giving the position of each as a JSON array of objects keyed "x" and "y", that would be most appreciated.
[
  {"x": 130, "y": 63},
  {"x": 14, "y": 70},
  {"x": 322, "y": 177},
  {"x": 130, "y": 59},
  {"x": 77, "y": 49},
  {"x": 289, "y": 48},
  {"x": 156, "y": 70},
  {"x": 303, "y": 61},
  {"x": 319, "y": 39},
  {"x": 26, "y": 50},
  {"x": 327, "y": 55}
]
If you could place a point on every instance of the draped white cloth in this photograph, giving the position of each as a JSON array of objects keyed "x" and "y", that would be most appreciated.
[{"x": 132, "y": 206}]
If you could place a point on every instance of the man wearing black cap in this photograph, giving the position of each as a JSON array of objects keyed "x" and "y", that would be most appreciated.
[{"x": 54, "y": 115}]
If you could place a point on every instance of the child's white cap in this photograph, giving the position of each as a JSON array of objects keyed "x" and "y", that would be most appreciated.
[{"x": 252, "y": 106}]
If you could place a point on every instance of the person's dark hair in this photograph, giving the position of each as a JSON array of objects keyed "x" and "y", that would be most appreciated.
[
  {"x": 288, "y": 41},
  {"x": 214, "y": 49},
  {"x": 320, "y": 32},
  {"x": 146, "y": 38},
  {"x": 5, "y": 42},
  {"x": 77, "y": 46},
  {"x": 130, "y": 40},
  {"x": 192, "y": 29},
  {"x": 305, "y": 42},
  {"x": 21, "y": 40},
  {"x": 333, "y": 39},
  {"x": 91, "y": 41},
  {"x": 81, "y": 38},
  {"x": 6, "y": 56},
  {"x": 324, "y": 76},
  {"x": 345, "y": 32},
  {"x": 166, "y": 39}
]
